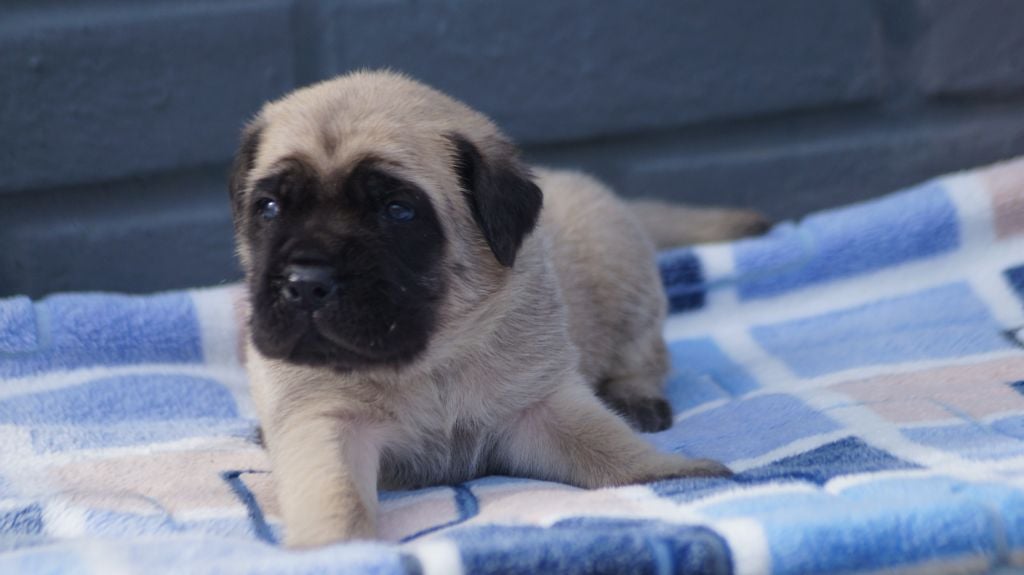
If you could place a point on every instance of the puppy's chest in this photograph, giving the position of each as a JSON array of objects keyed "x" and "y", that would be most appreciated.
[{"x": 446, "y": 437}]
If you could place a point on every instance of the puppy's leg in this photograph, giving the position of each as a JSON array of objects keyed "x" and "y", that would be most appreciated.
[
  {"x": 326, "y": 475},
  {"x": 570, "y": 437},
  {"x": 639, "y": 400},
  {"x": 634, "y": 386}
]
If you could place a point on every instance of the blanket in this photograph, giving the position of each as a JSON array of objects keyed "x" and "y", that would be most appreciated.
[{"x": 862, "y": 370}]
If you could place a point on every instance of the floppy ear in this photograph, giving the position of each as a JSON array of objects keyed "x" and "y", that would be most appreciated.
[
  {"x": 503, "y": 199},
  {"x": 243, "y": 163}
]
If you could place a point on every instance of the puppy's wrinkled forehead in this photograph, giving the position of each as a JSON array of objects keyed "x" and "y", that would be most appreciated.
[
  {"x": 419, "y": 136},
  {"x": 334, "y": 125}
]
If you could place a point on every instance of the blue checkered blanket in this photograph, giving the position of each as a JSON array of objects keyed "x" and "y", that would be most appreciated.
[{"x": 862, "y": 370}]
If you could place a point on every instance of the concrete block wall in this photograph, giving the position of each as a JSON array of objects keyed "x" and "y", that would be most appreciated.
[{"x": 118, "y": 118}]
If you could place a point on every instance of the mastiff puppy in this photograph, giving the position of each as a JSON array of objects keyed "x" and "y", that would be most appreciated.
[{"x": 425, "y": 309}]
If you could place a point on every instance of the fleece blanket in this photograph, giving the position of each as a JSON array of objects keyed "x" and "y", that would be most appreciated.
[{"x": 862, "y": 370}]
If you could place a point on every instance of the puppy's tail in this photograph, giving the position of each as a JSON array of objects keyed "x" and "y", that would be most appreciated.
[{"x": 670, "y": 225}]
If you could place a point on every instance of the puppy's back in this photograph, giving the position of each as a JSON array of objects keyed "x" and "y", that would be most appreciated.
[{"x": 606, "y": 269}]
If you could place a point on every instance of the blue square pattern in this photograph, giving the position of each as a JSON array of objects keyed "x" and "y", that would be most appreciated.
[
  {"x": 18, "y": 333},
  {"x": 84, "y": 330},
  {"x": 593, "y": 545},
  {"x": 1015, "y": 277},
  {"x": 971, "y": 440},
  {"x": 49, "y": 559},
  {"x": 938, "y": 323},
  {"x": 882, "y": 524},
  {"x": 872, "y": 537},
  {"x": 154, "y": 397},
  {"x": 241, "y": 555},
  {"x": 683, "y": 279},
  {"x": 61, "y": 437},
  {"x": 1012, "y": 426},
  {"x": 702, "y": 372},
  {"x": 819, "y": 465},
  {"x": 915, "y": 224},
  {"x": 26, "y": 520},
  {"x": 103, "y": 523},
  {"x": 1001, "y": 503},
  {"x": 744, "y": 428},
  {"x": 843, "y": 457}
]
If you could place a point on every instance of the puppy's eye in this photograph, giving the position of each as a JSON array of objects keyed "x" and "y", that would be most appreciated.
[
  {"x": 268, "y": 208},
  {"x": 399, "y": 212}
]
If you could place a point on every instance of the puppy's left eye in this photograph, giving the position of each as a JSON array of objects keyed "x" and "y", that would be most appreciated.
[
  {"x": 268, "y": 208},
  {"x": 399, "y": 212}
]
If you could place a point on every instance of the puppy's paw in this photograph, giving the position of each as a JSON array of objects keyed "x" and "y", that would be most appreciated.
[
  {"x": 675, "y": 466},
  {"x": 704, "y": 468},
  {"x": 644, "y": 414}
]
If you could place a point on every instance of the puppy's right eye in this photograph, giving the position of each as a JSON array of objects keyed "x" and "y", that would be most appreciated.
[
  {"x": 268, "y": 208},
  {"x": 399, "y": 212}
]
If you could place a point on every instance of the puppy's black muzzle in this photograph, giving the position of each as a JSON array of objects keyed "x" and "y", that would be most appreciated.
[{"x": 308, "y": 287}]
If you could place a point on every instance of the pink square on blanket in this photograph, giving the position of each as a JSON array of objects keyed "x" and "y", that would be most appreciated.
[
  {"x": 541, "y": 503},
  {"x": 951, "y": 392},
  {"x": 417, "y": 512},
  {"x": 173, "y": 481},
  {"x": 1006, "y": 184},
  {"x": 400, "y": 515}
]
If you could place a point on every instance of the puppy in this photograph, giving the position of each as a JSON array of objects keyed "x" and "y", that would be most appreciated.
[{"x": 422, "y": 313}]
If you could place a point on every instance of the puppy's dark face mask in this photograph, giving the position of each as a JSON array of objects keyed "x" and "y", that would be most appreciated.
[
  {"x": 346, "y": 271},
  {"x": 343, "y": 273}
]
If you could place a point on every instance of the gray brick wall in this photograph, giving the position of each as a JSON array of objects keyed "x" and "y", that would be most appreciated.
[{"x": 118, "y": 118}]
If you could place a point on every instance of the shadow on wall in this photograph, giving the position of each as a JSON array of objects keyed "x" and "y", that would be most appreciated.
[{"x": 123, "y": 116}]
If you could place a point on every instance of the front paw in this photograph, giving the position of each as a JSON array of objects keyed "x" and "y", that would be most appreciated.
[
  {"x": 704, "y": 468},
  {"x": 675, "y": 466}
]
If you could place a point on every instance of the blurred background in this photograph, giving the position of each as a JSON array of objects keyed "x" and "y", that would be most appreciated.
[{"x": 118, "y": 119}]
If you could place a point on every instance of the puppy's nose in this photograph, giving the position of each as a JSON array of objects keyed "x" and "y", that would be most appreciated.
[{"x": 308, "y": 286}]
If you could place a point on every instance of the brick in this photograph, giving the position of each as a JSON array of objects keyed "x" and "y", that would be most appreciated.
[
  {"x": 972, "y": 48},
  {"x": 788, "y": 176},
  {"x": 138, "y": 236},
  {"x": 101, "y": 92},
  {"x": 549, "y": 71}
]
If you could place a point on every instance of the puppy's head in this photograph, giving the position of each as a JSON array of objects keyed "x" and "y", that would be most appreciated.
[{"x": 370, "y": 211}]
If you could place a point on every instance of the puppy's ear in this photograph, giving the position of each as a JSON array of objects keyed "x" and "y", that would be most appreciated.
[
  {"x": 503, "y": 199},
  {"x": 243, "y": 163}
]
